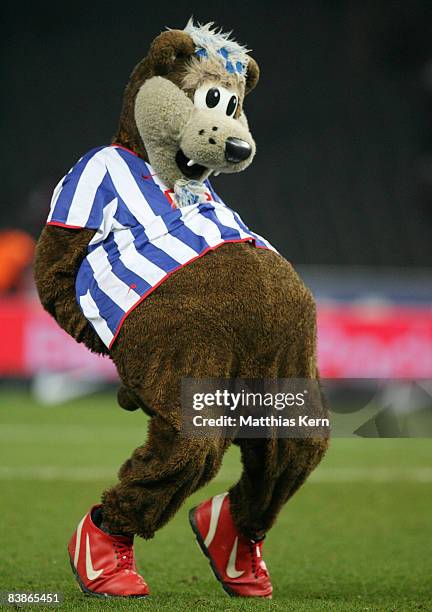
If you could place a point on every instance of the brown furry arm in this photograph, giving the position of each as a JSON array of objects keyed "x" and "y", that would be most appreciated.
[{"x": 59, "y": 254}]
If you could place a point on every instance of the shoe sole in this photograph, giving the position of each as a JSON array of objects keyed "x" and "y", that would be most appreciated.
[
  {"x": 89, "y": 593},
  {"x": 204, "y": 548}
]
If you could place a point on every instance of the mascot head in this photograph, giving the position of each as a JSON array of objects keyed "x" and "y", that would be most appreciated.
[{"x": 183, "y": 106}]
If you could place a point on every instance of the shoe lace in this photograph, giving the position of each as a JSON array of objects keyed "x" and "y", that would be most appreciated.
[
  {"x": 124, "y": 555},
  {"x": 259, "y": 567}
]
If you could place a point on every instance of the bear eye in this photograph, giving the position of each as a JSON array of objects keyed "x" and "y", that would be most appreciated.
[
  {"x": 213, "y": 97},
  {"x": 232, "y": 105}
]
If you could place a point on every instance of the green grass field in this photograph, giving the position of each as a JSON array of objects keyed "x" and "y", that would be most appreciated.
[{"x": 358, "y": 536}]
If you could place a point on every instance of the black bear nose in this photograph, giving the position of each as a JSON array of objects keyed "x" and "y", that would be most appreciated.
[{"x": 237, "y": 150}]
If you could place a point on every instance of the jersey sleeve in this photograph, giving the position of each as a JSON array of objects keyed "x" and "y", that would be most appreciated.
[{"x": 81, "y": 196}]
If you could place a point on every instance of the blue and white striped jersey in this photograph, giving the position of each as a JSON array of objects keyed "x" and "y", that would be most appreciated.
[{"x": 141, "y": 236}]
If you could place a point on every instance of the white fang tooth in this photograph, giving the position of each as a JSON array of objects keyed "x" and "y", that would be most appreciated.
[
  {"x": 216, "y": 173},
  {"x": 190, "y": 162}
]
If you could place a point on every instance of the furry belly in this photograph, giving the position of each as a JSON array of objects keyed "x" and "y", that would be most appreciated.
[{"x": 238, "y": 293}]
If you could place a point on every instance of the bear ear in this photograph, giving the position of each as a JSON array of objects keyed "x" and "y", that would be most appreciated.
[
  {"x": 252, "y": 75},
  {"x": 167, "y": 48}
]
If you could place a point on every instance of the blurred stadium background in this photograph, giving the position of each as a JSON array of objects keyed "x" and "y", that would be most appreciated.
[{"x": 341, "y": 185}]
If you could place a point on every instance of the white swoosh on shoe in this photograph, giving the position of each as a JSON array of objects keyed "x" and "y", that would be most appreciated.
[
  {"x": 231, "y": 571},
  {"x": 216, "y": 506},
  {"x": 78, "y": 542},
  {"x": 92, "y": 574}
]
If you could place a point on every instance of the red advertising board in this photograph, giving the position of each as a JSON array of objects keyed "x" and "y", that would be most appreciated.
[
  {"x": 354, "y": 341},
  {"x": 362, "y": 341}
]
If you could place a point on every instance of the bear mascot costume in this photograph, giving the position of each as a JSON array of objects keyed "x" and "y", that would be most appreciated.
[{"x": 141, "y": 260}]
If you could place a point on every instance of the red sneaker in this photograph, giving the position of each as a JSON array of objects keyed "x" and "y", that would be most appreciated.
[
  {"x": 104, "y": 565},
  {"x": 235, "y": 560}
]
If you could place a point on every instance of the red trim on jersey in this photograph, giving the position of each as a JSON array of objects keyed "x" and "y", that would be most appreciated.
[
  {"x": 125, "y": 148},
  {"x": 59, "y": 224},
  {"x": 167, "y": 193},
  {"x": 248, "y": 239}
]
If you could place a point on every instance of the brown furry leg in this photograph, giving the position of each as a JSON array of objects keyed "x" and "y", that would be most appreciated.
[
  {"x": 157, "y": 346},
  {"x": 157, "y": 479},
  {"x": 274, "y": 469}
]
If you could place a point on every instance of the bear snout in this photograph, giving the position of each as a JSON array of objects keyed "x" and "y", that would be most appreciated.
[
  {"x": 217, "y": 142},
  {"x": 237, "y": 150}
]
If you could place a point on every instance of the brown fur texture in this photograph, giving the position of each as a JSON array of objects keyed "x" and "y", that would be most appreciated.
[
  {"x": 238, "y": 311},
  {"x": 252, "y": 75},
  {"x": 243, "y": 313},
  {"x": 169, "y": 56}
]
